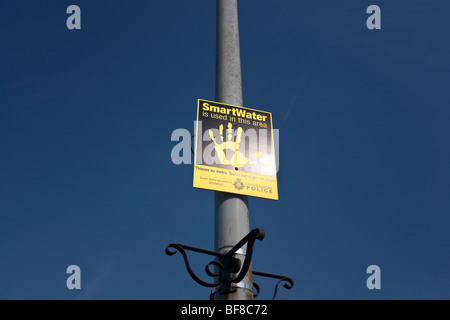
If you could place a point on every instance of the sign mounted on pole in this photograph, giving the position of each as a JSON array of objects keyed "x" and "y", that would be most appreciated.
[{"x": 234, "y": 150}]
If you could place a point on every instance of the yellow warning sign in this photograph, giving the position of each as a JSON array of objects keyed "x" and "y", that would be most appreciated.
[{"x": 234, "y": 150}]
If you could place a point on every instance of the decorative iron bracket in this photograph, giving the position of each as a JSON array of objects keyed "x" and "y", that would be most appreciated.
[{"x": 230, "y": 270}]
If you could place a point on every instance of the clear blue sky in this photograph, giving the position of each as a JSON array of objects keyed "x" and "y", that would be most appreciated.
[{"x": 86, "y": 118}]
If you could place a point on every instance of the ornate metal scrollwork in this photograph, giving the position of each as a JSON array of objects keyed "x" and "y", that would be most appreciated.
[
  {"x": 288, "y": 286},
  {"x": 229, "y": 270}
]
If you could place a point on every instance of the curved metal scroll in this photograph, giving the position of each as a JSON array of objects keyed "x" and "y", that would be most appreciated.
[
  {"x": 250, "y": 238},
  {"x": 180, "y": 248},
  {"x": 288, "y": 286},
  {"x": 227, "y": 265}
]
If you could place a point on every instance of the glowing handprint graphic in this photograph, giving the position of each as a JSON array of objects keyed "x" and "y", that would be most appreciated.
[{"x": 238, "y": 159}]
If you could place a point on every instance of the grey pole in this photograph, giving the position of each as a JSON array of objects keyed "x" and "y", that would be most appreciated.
[{"x": 231, "y": 216}]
